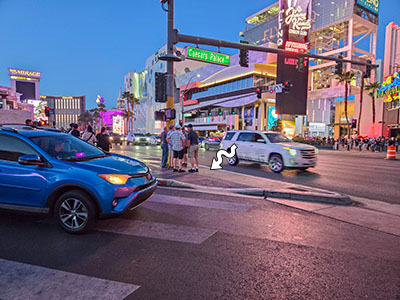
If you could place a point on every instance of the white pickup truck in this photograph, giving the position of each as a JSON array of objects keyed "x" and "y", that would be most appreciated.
[{"x": 270, "y": 148}]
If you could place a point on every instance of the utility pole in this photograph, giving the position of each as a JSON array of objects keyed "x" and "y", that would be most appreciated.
[{"x": 170, "y": 56}]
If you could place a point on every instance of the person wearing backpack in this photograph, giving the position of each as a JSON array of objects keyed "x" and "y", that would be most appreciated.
[
  {"x": 89, "y": 136},
  {"x": 103, "y": 140}
]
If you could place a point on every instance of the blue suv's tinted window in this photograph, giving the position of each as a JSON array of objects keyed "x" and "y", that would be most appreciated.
[
  {"x": 11, "y": 148},
  {"x": 67, "y": 147}
]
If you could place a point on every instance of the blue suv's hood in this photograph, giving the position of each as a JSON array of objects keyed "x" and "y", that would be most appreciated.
[{"x": 113, "y": 164}]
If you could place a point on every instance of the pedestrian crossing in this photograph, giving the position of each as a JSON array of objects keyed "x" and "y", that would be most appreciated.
[
  {"x": 19, "y": 280},
  {"x": 25, "y": 281}
]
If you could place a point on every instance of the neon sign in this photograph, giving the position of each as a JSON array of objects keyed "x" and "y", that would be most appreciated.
[
  {"x": 296, "y": 47},
  {"x": 371, "y": 5},
  {"x": 390, "y": 88},
  {"x": 26, "y": 73},
  {"x": 297, "y": 19}
]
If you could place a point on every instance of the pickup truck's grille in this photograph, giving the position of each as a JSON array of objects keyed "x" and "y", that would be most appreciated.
[{"x": 308, "y": 154}]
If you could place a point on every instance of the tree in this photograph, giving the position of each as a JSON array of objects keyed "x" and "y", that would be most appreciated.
[
  {"x": 96, "y": 114},
  {"x": 346, "y": 77},
  {"x": 372, "y": 87},
  {"x": 127, "y": 115},
  {"x": 86, "y": 117},
  {"x": 131, "y": 101},
  {"x": 277, "y": 126}
]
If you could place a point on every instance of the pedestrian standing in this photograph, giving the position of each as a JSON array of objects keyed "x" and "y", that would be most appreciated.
[
  {"x": 170, "y": 151},
  {"x": 89, "y": 136},
  {"x": 176, "y": 139},
  {"x": 71, "y": 127},
  {"x": 185, "y": 149},
  {"x": 164, "y": 147},
  {"x": 103, "y": 140},
  {"x": 75, "y": 132},
  {"x": 193, "y": 141}
]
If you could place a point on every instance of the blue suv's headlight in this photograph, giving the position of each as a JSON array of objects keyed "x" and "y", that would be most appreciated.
[{"x": 115, "y": 178}]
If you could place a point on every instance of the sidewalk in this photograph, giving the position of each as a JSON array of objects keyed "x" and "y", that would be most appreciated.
[{"x": 372, "y": 214}]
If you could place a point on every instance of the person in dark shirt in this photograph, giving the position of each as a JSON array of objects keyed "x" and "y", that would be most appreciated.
[
  {"x": 103, "y": 140},
  {"x": 193, "y": 139},
  {"x": 164, "y": 147},
  {"x": 75, "y": 132}
]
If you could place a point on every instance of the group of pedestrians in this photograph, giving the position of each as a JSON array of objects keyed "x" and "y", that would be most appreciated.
[
  {"x": 101, "y": 140},
  {"x": 178, "y": 145},
  {"x": 378, "y": 144}
]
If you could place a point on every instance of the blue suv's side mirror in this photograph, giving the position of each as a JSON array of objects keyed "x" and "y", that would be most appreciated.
[{"x": 31, "y": 160}]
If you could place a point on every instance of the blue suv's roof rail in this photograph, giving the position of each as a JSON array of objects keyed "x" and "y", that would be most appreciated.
[
  {"x": 15, "y": 126},
  {"x": 8, "y": 129}
]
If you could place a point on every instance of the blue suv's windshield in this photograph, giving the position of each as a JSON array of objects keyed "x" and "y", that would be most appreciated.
[{"x": 67, "y": 147}]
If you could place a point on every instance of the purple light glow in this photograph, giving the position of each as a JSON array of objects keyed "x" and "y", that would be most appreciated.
[
  {"x": 80, "y": 154},
  {"x": 108, "y": 115}
]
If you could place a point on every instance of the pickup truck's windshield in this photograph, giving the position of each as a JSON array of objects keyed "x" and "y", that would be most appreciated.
[{"x": 276, "y": 137}]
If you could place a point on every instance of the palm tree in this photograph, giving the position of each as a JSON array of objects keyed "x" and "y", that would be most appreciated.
[
  {"x": 86, "y": 117},
  {"x": 96, "y": 114},
  {"x": 372, "y": 87},
  {"x": 346, "y": 77},
  {"x": 131, "y": 101},
  {"x": 127, "y": 114},
  {"x": 361, "y": 101}
]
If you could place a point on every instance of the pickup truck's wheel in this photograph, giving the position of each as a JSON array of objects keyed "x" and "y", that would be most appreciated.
[
  {"x": 75, "y": 211},
  {"x": 276, "y": 163},
  {"x": 233, "y": 161}
]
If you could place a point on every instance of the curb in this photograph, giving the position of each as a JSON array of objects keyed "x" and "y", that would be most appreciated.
[{"x": 308, "y": 196}]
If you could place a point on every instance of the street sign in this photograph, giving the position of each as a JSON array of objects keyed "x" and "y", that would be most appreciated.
[
  {"x": 208, "y": 56},
  {"x": 275, "y": 88}
]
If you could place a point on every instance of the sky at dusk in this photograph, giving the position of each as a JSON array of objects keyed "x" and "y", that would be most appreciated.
[{"x": 84, "y": 47}]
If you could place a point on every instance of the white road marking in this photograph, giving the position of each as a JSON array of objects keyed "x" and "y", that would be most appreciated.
[
  {"x": 25, "y": 281},
  {"x": 223, "y": 205},
  {"x": 161, "y": 231}
]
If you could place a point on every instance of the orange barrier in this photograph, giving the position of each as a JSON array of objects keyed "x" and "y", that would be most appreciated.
[{"x": 391, "y": 152}]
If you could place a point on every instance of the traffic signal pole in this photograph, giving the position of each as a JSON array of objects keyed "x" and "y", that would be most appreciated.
[{"x": 170, "y": 53}]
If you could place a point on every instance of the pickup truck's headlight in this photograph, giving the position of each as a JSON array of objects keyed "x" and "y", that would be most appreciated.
[
  {"x": 316, "y": 150},
  {"x": 115, "y": 178},
  {"x": 292, "y": 152},
  {"x": 111, "y": 138}
]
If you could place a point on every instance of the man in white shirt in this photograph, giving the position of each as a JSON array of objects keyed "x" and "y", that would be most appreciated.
[{"x": 176, "y": 139}]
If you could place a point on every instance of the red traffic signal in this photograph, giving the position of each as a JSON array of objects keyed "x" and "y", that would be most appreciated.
[
  {"x": 47, "y": 111},
  {"x": 259, "y": 93}
]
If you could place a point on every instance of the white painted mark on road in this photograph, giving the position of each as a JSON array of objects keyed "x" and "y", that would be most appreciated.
[
  {"x": 223, "y": 205},
  {"x": 217, "y": 162},
  {"x": 161, "y": 231},
  {"x": 24, "y": 281}
]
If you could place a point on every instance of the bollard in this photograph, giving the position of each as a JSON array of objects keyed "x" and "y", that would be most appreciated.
[{"x": 391, "y": 152}]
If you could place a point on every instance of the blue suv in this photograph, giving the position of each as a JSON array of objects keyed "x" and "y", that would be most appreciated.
[{"x": 47, "y": 171}]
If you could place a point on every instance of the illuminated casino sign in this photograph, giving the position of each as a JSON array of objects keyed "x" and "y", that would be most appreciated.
[
  {"x": 296, "y": 47},
  {"x": 294, "y": 21},
  {"x": 371, "y": 5},
  {"x": 390, "y": 88},
  {"x": 24, "y": 73}
]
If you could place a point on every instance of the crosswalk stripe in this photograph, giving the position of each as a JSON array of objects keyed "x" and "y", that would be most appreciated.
[
  {"x": 223, "y": 205},
  {"x": 161, "y": 231},
  {"x": 25, "y": 281}
]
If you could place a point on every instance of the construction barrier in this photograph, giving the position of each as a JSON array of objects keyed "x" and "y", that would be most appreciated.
[{"x": 391, "y": 152}]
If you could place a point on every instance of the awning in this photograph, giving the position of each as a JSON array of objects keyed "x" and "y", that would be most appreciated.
[
  {"x": 233, "y": 101},
  {"x": 205, "y": 127}
]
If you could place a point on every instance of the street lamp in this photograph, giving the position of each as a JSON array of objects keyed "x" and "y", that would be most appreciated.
[{"x": 185, "y": 91}]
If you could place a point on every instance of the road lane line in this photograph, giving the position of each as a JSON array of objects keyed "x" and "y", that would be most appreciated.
[
  {"x": 197, "y": 202},
  {"x": 25, "y": 281},
  {"x": 161, "y": 231}
]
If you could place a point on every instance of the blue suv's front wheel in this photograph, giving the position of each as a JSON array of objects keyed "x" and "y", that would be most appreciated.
[{"x": 75, "y": 211}]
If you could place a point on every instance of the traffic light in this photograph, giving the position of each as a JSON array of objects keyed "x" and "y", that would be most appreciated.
[
  {"x": 339, "y": 66},
  {"x": 244, "y": 58},
  {"x": 286, "y": 86},
  {"x": 300, "y": 64},
  {"x": 160, "y": 85},
  {"x": 354, "y": 123},
  {"x": 47, "y": 111},
  {"x": 259, "y": 93},
  {"x": 209, "y": 112},
  {"x": 368, "y": 69},
  {"x": 170, "y": 113}
]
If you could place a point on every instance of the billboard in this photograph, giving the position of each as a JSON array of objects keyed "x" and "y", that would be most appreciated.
[
  {"x": 370, "y": 5},
  {"x": 118, "y": 124},
  {"x": 293, "y": 35},
  {"x": 39, "y": 113},
  {"x": 27, "y": 89}
]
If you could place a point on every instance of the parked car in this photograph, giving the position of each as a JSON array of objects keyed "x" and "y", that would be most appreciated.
[
  {"x": 130, "y": 139},
  {"x": 68, "y": 178},
  {"x": 271, "y": 148},
  {"x": 155, "y": 140},
  {"x": 141, "y": 139},
  {"x": 211, "y": 142},
  {"x": 117, "y": 138}
]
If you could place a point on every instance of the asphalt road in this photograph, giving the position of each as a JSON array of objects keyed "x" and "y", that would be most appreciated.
[
  {"x": 367, "y": 175},
  {"x": 185, "y": 245}
]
